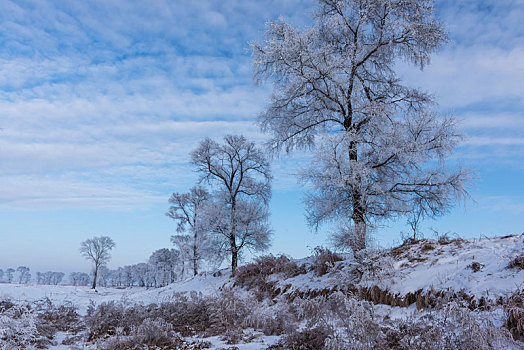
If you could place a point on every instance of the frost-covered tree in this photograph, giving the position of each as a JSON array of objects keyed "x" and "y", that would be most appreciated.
[
  {"x": 9, "y": 274},
  {"x": 97, "y": 249},
  {"x": 183, "y": 245},
  {"x": 241, "y": 173},
  {"x": 252, "y": 230},
  {"x": 140, "y": 272},
  {"x": 79, "y": 278},
  {"x": 39, "y": 278},
  {"x": 49, "y": 277},
  {"x": 187, "y": 210},
  {"x": 164, "y": 262},
  {"x": 128, "y": 276},
  {"x": 379, "y": 145},
  {"x": 57, "y": 277},
  {"x": 104, "y": 276},
  {"x": 23, "y": 274},
  {"x": 1, "y": 275}
]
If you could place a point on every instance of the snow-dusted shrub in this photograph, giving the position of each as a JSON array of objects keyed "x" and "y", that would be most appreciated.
[
  {"x": 188, "y": 316},
  {"x": 275, "y": 320},
  {"x": 19, "y": 327},
  {"x": 514, "y": 308},
  {"x": 445, "y": 239},
  {"x": 517, "y": 263},
  {"x": 104, "y": 320},
  {"x": 151, "y": 334},
  {"x": 62, "y": 318},
  {"x": 156, "y": 332},
  {"x": 456, "y": 327},
  {"x": 451, "y": 327},
  {"x": 375, "y": 263},
  {"x": 254, "y": 276},
  {"x": 324, "y": 260},
  {"x": 233, "y": 336},
  {"x": 351, "y": 323},
  {"x": 228, "y": 311},
  {"x": 307, "y": 339},
  {"x": 475, "y": 266}
]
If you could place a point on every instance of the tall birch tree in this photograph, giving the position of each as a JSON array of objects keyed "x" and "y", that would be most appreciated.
[{"x": 380, "y": 148}]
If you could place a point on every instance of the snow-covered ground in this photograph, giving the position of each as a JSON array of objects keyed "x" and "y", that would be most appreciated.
[
  {"x": 451, "y": 266},
  {"x": 82, "y": 296},
  {"x": 477, "y": 267}
]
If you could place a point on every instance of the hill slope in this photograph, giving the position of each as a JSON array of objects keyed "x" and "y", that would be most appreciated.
[{"x": 424, "y": 295}]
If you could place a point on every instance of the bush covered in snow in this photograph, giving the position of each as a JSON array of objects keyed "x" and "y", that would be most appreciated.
[
  {"x": 514, "y": 308},
  {"x": 517, "y": 263},
  {"x": 254, "y": 276},
  {"x": 353, "y": 324},
  {"x": 34, "y": 325},
  {"x": 19, "y": 326},
  {"x": 324, "y": 260},
  {"x": 150, "y": 334},
  {"x": 226, "y": 314},
  {"x": 187, "y": 316}
]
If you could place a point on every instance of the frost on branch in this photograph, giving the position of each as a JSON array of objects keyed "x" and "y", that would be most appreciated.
[
  {"x": 193, "y": 241},
  {"x": 240, "y": 174},
  {"x": 380, "y": 148}
]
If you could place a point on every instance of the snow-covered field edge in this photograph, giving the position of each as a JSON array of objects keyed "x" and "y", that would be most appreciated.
[{"x": 450, "y": 293}]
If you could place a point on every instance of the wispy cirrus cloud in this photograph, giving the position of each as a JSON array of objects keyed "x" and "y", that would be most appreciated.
[
  {"x": 100, "y": 90},
  {"x": 110, "y": 97}
]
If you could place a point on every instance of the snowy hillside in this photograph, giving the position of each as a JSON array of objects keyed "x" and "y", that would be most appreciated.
[{"x": 473, "y": 287}]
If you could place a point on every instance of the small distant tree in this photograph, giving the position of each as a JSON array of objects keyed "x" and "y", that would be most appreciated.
[
  {"x": 104, "y": 276},
  {"x": 140, "y": 272},
  {"x": 187, "y": 211},
  {"x": 24, "y": 275},
  {"x": 9, "y": 274},
  {"x": 97, "y": 249},
  {"x": 79, "y": 278},
  {"x": 83, "y": 279},
  {"x": 164, "y": 262},
  {"x": 1, "y": 275},
  {"x": 241, "y": 173},
  {"x": 183, "y": 245},
  {"x": 414, "y": 219},
  {"x": 56, "y": 278}
]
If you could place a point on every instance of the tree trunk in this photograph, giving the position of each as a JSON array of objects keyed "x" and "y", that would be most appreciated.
[
  {"x": 234, "y": 257},
  {"x": 95, "y": 274},
  {"x": 358, "y": 217},
  {"x": 195, "y": 272},
  {"x": 232, "y": 240}
]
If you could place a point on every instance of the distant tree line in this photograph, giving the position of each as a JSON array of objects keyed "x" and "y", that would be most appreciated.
[
  {"x": 22, "y": 275},
  {"x": 163, "y": 267}
]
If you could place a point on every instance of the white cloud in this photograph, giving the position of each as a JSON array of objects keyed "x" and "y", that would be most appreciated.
[
  {"x": 110, "y": 97},
  {"x": 460, "y": 77}
]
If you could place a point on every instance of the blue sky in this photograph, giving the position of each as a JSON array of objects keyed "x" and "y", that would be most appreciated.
[{"x": 101, "y": 102}]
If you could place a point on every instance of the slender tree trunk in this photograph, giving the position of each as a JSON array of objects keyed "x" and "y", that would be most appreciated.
[
  {"x": 232, "y": 240},
  {"x": 95, "y": 274},
  {"x": 234, "y": 255},
  {"x": 195, "y": 272},
  {"x": 359, "y": 239}
]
